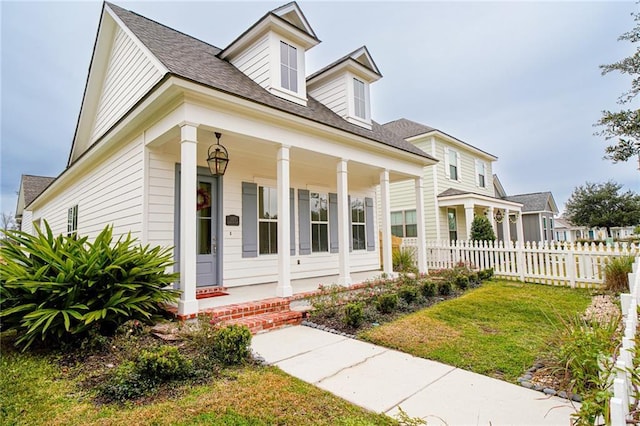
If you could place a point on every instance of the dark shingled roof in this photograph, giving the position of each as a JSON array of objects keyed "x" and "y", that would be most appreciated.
[
  {"x": 534, "y": 202},
  {"x": 195, "y": 60},
  {"x": 32, "y": 186},
  {"x": 345, "y": 58},
  {"x": 406, "y": 128}
]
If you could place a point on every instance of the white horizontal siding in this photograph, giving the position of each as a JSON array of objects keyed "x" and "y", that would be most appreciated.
[
  {"x": 467, "y": 172},
  {"x": 109, "y": 193},
  {"x": 254, "y": 62},
  {"x": 333, "y": 94},
  {"x": 129, "y": 76},
  {"x": 161, "y": 199},
  {"x": 27, "y": 222}
]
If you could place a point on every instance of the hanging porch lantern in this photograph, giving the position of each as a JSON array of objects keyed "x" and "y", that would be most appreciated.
[
  {"x": 219, "y": 158},
  {"x": 499, "y": 216}
]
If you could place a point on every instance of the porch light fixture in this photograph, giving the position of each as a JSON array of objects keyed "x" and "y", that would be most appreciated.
[
  {"x": 514, "y": 218},
  {"x": 219, "y": 158},
  {"x": 499, "y": 216}
]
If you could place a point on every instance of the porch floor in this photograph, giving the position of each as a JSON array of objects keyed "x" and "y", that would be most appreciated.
[{"x": 252, "y": 293}]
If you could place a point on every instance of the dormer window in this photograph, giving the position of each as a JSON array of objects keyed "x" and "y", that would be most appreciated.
[
  {"x": 359, "y": 99},
  {"x": 288, "y": 67}
]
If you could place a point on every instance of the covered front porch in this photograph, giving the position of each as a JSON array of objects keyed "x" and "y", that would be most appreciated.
[
  {"x": 456, "y": 210},
  {"x": 296, "y": 207}
]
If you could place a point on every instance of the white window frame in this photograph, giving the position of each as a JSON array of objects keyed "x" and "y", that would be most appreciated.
[
  {"x": 319, "y": 222},
  {"x": 404, "y": 223},
  {"x": 359, "y": 101},
  {"x": 288, "y": 67},
  {"x": 447, "y": 164},
  {"x": 455, "y": 223},
  {"x": 72, "y": 220},
  {"x": 358, "y": 223},
  {"x": 267, "y": 220},
  {"x": 481, "y": 166}
]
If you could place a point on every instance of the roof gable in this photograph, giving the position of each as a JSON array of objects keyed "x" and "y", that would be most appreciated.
[
  {"x": 535, "y": 202},
  {"x": 292, "y": 13},
  {"x": 30, "y": 187},
  {"x": 359, "y": 61},
  {"x": 121, "y": 72}
]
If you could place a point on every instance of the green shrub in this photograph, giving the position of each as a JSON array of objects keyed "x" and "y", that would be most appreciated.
[
  {"x": 462, "y": 281},
  {"x": 485, "y": 274},
  {"x": 125, "y": 383},
  {"x": 474, "y": 278},
  {"x": 231, "y": 344},
  {"x": 444, "y": 288},
  {"x": 387, "y": 303},
  {"x": 353, "y": 314},
  {"x": 481, "y": 229},
  {"x": 428, "y": 289},
  {"x": 582, "y": 345},
  {"x": 162, "y": 364},
  {"x": 408, "y": 293},
  {"x": 53, "y": 288},
  {"x": 402, "y": 260},
  {"x": 615, "y": 273}
]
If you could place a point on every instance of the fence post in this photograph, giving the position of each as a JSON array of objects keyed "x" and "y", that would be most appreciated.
[
  {"x": 616, "y": 406},
  {"x": 520, "y": 258},
  {"x": 571, "y": 265}
]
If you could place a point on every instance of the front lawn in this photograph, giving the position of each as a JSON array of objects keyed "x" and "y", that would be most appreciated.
[
  {"x": 498, "y": 330},
  {"x": 37, "y": 390}
]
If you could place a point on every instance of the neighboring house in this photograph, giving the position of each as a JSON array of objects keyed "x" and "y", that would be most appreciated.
[
  {"x": 538, "y": 211},
  {"x": 30, "y": 187},
  {"x": 566, "y": 231},
  {"x": 298, "y": 199},
  {"x": 458, "y": 188}
]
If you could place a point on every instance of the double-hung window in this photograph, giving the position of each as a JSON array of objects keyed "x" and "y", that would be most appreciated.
[
  {"x": 288, "y": 67},
  {"x": 359, "y": 99},
  {"x": 72, "y": 220},
  {"x": 403, "y": 224},
  {"x": 481, "y": 171},
  {"x": 358, "y": 224},
  {"x": 318, "y": 205},
  {"x": 268, "y": 220},
  {"x": 452, "y": 162}
]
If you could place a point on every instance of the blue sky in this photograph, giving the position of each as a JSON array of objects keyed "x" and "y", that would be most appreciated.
[{"x": 517, "y": 79}]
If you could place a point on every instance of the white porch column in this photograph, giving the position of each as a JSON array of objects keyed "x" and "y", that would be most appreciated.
[
  {"x": 520, "y": 229},
  {"x": 506, "y": 227},
  {"x": 188, "y": 183},
  {"x": 420, "y": 225},
  {"x": 344, "y": 233},
  {"x": 385, "y": 211},
  {"x": 492, "y": 220},
  {"x": 284, "y": 288},
  {"x": 468, "y": 217}
]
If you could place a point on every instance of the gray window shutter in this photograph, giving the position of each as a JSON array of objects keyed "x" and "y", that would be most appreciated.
[
  {"x": 368, "y": 218},
  {"x": 333, "y": 223},
  {"x": 350, "y": 230},
  {"x": 249, "y": 219},
  {"x": 304, "y": 221},
  {"x": 292, "y": 220}
]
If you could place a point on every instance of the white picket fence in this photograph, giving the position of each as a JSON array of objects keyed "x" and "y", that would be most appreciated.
[
  {"x": 556, "y": 263},
  {"x": 623, "y": 390}
]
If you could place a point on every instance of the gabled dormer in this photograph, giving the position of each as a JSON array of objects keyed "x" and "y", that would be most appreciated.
[
  {"x": 343, "y": 86},
  {"x": 272, "y": 52}
]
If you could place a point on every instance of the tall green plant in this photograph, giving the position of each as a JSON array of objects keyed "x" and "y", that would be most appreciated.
[
  {"x": 616, "y": 272},
  {"x": 54, "y": 288},
  {"x": 481, "y": 229}
]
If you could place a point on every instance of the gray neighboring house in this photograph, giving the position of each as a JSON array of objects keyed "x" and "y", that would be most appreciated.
[
  {"x": 538, "y": 210},
  {"x": 30, "y": 187}
]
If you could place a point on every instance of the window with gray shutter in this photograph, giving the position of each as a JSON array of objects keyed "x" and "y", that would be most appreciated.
[
  {"x": 371, "y": 231},
  {"x": 333, "y": 223},
  {"x": 304, "y": 221},
  {"x": 249, "y": 219}
]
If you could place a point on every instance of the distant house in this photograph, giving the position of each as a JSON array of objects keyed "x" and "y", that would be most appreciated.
[
  {"x": 298, "y": 196},
  {"x": 30, "y": 187},
  {"x": 566, "y": 231},
  {"x": 538, "y": 211},
  {"x": 457, "y": 189}
]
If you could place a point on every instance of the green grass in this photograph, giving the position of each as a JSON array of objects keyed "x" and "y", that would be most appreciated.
[
  {"x": 34, "y": 390},
  {"x": 498, "y": 330}
]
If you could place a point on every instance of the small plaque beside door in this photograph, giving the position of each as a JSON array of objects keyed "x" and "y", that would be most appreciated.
[{"x": 232, "y": 220}]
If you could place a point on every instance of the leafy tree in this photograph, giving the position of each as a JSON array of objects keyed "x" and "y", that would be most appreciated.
[
  {"x": 624, "y": 125},
  {"x": 481, "y": 229},
  {"x": 602, "y": 205}
]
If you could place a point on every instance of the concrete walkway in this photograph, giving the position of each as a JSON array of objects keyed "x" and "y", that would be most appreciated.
[{"x": 381, "y": 380}]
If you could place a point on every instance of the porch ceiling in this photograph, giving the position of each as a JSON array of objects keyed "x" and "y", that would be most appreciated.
[{"x": 260, "y": 156}]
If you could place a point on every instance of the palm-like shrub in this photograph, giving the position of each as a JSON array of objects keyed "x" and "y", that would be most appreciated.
[
  {"x": 56, "y": 288},
  {"x": 616, "y": 272}
]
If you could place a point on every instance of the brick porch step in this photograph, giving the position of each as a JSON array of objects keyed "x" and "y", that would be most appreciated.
[
  {"x": 249, "y": 309},
  {"x": 268, "y": 321}
]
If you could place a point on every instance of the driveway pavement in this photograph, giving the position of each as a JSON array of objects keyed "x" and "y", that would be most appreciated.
[{"x": 381, "y": 380}]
